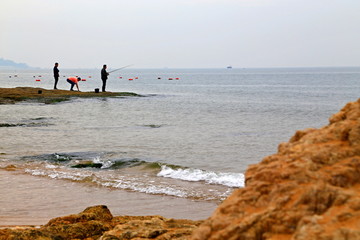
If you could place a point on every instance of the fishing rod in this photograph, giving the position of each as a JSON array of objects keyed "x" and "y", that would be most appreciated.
[{"x": 121, "y": 68}]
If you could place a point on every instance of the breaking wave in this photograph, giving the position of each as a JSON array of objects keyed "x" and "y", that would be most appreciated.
[
  {"x": 194, "y": 175},
  {"x": 134, "y": 174}
]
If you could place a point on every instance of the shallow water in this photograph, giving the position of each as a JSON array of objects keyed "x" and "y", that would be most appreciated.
[
  {"x": 35, "y": 200},
  {"x": 191, "y": 138}
]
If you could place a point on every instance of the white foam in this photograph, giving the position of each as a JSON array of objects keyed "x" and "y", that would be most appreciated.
[
  {"x": 134, "y": 185},
  {"x": 151, "y": 186},
  {"x": 105, "y": 163},
  {"x": 50, "y": 166},
  {"x": 194, "y": 175},
  {"x": 58, "y": 174},
  {"x": 35, "y": 172}
]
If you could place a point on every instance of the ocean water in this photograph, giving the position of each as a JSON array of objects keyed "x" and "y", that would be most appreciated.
[{"x": 188, "y": 139}]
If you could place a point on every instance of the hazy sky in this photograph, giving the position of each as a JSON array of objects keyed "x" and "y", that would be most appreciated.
[{"x": 181, "y": 33}]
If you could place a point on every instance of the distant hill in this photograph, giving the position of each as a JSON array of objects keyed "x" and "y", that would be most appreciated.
[{"x": 4, "y": 63}]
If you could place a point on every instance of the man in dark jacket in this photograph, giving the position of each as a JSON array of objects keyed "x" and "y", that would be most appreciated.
[
  {"x": 56, "y": 74},
  {"x": 104, "y": 77}
]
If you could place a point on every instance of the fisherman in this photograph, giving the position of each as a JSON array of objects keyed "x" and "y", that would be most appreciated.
[
  {"x": 56, "y": 74},
  {"x": 104, "y": 77},
  {"x": 74, "y": 81}
]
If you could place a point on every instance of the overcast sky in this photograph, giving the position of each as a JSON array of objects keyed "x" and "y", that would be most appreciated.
[{"x": 181, "y": 33}]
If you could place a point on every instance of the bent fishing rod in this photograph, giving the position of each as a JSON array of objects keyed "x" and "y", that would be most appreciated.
[{"x": 121, "y": 68}]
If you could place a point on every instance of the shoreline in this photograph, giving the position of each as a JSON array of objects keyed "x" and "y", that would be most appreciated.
[
  {"x": 18, "y": 94},
  {"x": 50, "y": 198}
]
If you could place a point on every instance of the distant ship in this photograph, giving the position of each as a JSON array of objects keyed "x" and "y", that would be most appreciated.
[{"x": 229, "y": 67}]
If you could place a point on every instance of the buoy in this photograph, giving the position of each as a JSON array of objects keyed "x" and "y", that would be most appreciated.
[
  {"x": 136, "y": 78},
  {"x": 170, "y": 79},
  {"x": 120, "y": 77},
  {"x": 89, "y": 76},
  {"x": 83, "y": 80},
  {"x": 9, "y": 76},
  {"x": 177, "y": 78},
  {"x": 159, "y": 77},
  {"x": 39, "y": 75},
  {"x": 38, "y": 80},
  {"x": 130, "y": 79}
]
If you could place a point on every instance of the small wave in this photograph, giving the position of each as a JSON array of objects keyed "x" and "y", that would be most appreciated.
[
  {"x": 149, "y": 188},
  {"x": 118, "y": 163},
  {"x": 123, "y": 163},
  {"x": 145, "y": 182},
  {"x": 58, "y": 174},
  {"x": 132, "y": 184},
  {"x": 194, "y": 175}
]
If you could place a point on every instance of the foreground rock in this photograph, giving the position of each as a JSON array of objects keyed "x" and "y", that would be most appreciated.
[
  {"x": 310, "y": 189},
  {"x": 98, "y": 223},
  {"x": 13, "y": 95}
]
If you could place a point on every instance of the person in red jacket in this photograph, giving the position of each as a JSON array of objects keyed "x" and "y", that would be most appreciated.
[{"x": 74, "y": 81}]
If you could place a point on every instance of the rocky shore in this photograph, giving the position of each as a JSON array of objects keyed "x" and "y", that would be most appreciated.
[
  {"x": 98, "y": 223},
  {"x": 309, "y": 189},
  {"x": 13, "y": 95}
]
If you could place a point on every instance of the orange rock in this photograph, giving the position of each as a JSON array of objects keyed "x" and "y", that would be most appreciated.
[
  {"x": 310, "y": 189},
  {"x": 98, "y": 223}
]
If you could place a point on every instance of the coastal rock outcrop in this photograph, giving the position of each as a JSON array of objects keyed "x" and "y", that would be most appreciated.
[
  {"x": 41, "y": 95},
  {"x": 309, "y": 189},
  {"x": 98, "y": 223}
]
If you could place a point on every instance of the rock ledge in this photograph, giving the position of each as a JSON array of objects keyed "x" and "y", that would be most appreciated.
[{"x": 98, "y": 223}]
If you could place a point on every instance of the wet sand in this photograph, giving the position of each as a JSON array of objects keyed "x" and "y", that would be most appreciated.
[{"x": 30, "y": 200}]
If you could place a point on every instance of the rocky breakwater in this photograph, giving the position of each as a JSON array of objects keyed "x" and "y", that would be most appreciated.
[
  {"x": 98, "y": 223},
  {"x": 310, "y": 189}
]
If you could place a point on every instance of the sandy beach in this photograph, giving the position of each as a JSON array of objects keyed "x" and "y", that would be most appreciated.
[{"x": 29, "y": 200}]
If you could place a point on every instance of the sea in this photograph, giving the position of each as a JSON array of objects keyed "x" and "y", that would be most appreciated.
[{"x": 177, "y": 150}]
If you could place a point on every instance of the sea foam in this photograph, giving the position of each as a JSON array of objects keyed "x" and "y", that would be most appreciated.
[{"x": 194, "y": 175}]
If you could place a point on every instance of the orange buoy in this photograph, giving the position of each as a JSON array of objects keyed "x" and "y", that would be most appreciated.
[
  {"x": 83, "y": 80},
  {"x": 120, "y": 77},
  {"x": 130, "y": 79},
  {"x": 89, "y": 76},
  {"x": 38, "y": 80},
  {"x": 136, "y": 78},
  {"x": 170, "y": 78},
  {"x": 177, "y": 78}
]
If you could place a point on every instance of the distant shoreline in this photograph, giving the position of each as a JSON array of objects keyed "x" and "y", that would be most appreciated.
[{"x": 18, "y": 94}]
